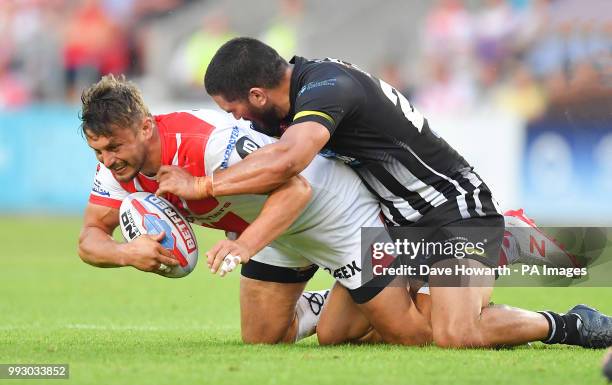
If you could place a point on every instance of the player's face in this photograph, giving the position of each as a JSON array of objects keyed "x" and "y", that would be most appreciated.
[
  {"x": 264, "y": 114},
  {"x": 123, "y": 152}
]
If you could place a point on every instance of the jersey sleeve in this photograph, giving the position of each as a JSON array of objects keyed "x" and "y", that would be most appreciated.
[
  {"x": 327, "y": 98},
  {"x": 230, "y": 144},
  {"x": 106, "y": 191}
]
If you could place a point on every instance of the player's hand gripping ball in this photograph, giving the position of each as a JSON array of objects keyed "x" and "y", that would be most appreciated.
[{"x": 145, "y": 213}]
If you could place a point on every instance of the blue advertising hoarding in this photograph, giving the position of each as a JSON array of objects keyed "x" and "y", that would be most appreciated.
[
  {"x": 45, "y": 164},
  {"x": 567, "y": 171}
]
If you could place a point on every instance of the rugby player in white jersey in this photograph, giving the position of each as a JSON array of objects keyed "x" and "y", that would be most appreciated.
[
  {"x": 133, "y": 146},
  {"x": 313, "y": 220}
]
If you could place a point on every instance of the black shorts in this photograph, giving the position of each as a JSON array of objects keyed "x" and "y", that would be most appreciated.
[
  {"x": 270, "y": 273},
  {"x": 487, "y": 232},
  {"x": 374, "y": 286}
]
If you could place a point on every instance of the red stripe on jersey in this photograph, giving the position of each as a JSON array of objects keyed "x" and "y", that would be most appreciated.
[
  {"x": 102, "y": 201},
  {"x": 128, "y": 186},
  {"x": 194, "y": 136},
  {"x": 147, "y": 184},
  {"x": 184, "y": 123},
  {"x": 231, "y": 222},
  {"x": 202, "y": 206}
]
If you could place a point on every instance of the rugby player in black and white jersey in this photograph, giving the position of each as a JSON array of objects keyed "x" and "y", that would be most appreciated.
[{"x": 334, "y": 108}]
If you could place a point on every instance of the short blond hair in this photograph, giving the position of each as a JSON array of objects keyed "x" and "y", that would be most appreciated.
[{"x": 111, "y": 102}]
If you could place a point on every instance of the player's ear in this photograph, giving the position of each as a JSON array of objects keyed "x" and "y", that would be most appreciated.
[
  {"x": 147, "y": 127},
  {"x": 258, "y": 97}
]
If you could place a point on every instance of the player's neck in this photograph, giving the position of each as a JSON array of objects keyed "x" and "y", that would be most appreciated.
[
  {"x": 281, "y": 93},
  {"x": 154, "y": 154}
]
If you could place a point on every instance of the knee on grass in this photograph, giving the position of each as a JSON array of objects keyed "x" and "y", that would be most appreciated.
[
  {"x": 458, "y": 337},
  {"x": 330, "y": 335},
  {"x": 413, "y": 334},
  {"x": 410, "y": 339},
  {"x": 265, "y": 336}
]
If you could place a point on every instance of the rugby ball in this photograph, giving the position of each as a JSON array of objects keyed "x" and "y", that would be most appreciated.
[{"x": 145, "y": 213}]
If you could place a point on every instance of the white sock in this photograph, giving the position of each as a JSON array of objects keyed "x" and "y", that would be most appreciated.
[{"x": 308, "y": 309}]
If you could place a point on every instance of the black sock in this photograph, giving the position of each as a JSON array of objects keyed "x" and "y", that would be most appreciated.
[{"x": 562, "y": 328}]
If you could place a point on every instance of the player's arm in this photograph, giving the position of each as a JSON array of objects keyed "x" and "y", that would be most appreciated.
[
  {"x": 281, "y": 209},
  {"x": 98, "y": 248},
  {"x": 273, "y": 165},
  {"x": 260, "y": 173}
]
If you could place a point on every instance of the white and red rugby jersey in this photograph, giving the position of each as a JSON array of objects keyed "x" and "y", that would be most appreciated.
[
  {"x": 202, "y": 141},
  {"x": 184, "y": 136}
]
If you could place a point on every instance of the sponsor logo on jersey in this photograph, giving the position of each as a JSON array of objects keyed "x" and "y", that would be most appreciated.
[
  {"x": 309, "y": 86},
  {"x": 230, "y": 146},
  {"x": 97, "y": 188},
  {"x": 327, "y": 153},
  {"x": 245, "y": 146},
  {"x": 175, "y": 218}
]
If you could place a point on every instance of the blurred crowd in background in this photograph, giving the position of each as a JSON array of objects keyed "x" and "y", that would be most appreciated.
[
  {"x": 51, "y": 48},
  {"x": 525, "y": 56}
]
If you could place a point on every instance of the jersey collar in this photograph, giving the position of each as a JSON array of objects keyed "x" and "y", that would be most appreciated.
[{"x": 294, "y": 87}]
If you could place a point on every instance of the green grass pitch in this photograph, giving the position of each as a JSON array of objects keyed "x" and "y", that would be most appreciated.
[{"x": 121, "y": 326}]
